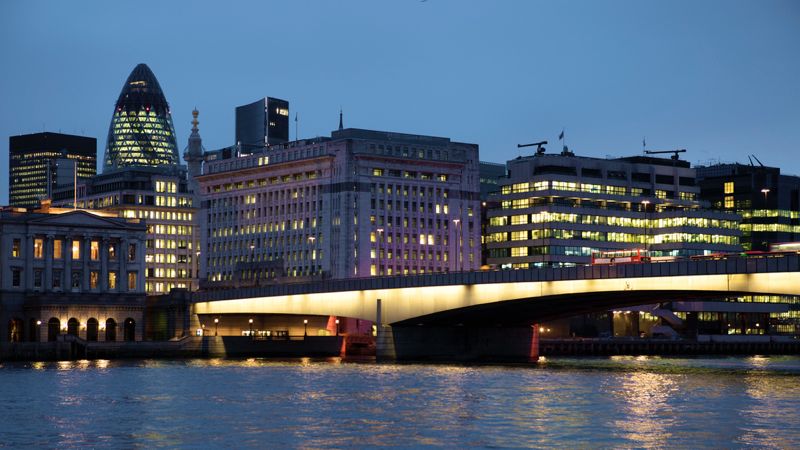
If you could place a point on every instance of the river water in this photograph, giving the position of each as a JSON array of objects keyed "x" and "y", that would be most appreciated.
[{"x": 618, "y": 402}]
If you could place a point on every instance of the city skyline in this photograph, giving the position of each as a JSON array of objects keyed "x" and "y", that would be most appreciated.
[{"x": 715, "y": 78}]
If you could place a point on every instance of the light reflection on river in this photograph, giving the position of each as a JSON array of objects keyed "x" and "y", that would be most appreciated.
[{"x": 594, "y": 402}]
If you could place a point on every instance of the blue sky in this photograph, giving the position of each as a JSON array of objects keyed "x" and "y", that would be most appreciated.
[{"x": 720, "y": 78}]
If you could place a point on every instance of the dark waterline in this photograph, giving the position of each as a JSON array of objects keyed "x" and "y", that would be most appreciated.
[{"x": 565, "y": 402}]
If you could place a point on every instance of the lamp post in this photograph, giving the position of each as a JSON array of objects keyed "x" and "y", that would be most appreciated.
[
  {"x": 378, "y": 252},
  {"x": 216, "y": 326},
  {"x": 337, "y": 327},
  {"x": 457, "y": 223},
  {"x": 645, "y": 204},
  {"x": 250, "y": 322},
  {"x": 38, "y": 330},
  {"x": 305, "y": 327}
]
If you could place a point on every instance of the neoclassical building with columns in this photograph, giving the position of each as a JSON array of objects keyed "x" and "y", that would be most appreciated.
[{"x": 71, "y": 272}]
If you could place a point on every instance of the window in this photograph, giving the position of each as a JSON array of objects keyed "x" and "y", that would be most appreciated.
[
  {"x": 15, "y": 248},
  {"x": 112, "y": 280},
  {"x": 728, "y": 187},
  {"x": 95, "y": 250},
  {"x": 729, "y": 201},
  {"x": 76, "y": 249},
  {"x": 131, "y": 281},
  {"x": 38, "y": 248},
  {"x": 131, "y": 252},
  {"x": 76, "y": 280},
  {"x": 57, "y": 249},
  {"x": 37, "y": 278},
  {"x": 112, "y": 252},
  {"x": 93, "y": 277},
  {"x": 16, "y": 277},
  {"x": 56, "y": 279}
]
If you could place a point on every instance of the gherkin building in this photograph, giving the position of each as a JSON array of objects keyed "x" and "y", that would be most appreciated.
[{"x": 141, "y": 132}]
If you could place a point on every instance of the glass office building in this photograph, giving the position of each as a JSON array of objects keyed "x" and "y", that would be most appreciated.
[{"x": 141, "y": 133}]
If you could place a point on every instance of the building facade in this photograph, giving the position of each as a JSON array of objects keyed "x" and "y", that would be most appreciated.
[
  {"x": 39, "y": 162},
  {"x": 557, "y": 210},
  {"x": 360, "y": 203},
  {"x": 141, "y": 133},
  {"x": 263, "y": 122},
  {"x": 768, "y": 201},
  {"x": 72, "y": 272}
]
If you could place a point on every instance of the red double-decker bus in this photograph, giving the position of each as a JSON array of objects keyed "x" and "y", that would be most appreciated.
[{"x": 631, "y": 256}]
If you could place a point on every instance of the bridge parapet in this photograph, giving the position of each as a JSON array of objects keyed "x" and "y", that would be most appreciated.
[{"x": 727, "y": 266}]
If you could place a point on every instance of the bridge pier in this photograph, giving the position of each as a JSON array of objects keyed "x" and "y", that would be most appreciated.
[
  {"x": 384, "y": 344},
  {"x": 465, "y": 343}
]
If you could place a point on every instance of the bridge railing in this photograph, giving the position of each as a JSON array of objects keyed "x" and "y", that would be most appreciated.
[{"x": 729, "y": 265}]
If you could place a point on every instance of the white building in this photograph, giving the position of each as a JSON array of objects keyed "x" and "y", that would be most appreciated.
[{"x": 360, "y": 203}]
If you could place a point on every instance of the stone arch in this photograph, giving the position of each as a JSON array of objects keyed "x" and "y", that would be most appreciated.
[
  {"x": 129, "y": 330},
  {"x": 53, "y": 329},
  {"x": 73, "y": 326},
  {"x": 111, "y": 330},
  {"x": 92, "y": 326}
]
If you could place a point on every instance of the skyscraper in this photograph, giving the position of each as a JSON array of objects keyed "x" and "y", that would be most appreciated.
[
  {"x": 39, "y": 162},
  {"x": 263, "y": 122},
  {"x": 141, "y": 132}
]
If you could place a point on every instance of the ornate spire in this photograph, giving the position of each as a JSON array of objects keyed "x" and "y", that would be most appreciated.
[
  {"x": 193, "y": 155},
  {"x": 341, "y": 124}
]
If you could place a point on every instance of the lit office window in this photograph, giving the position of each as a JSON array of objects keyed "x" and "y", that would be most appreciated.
[
  {"x": 76, "y": 249},
  {"x": 38, "y": 248},
  {"x": 95, "y": 250},
  {"x": 729, "y": 187},
  {"x": 57, "y": 249}
]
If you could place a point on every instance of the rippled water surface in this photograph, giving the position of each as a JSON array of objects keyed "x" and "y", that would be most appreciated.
[{"x": 619, "y": 402}]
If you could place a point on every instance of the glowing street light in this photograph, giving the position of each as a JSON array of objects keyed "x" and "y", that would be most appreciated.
[
  {"x": 337, "y": 327},
  {"x": 216, "y": 325},
  {"x": 305, "y": 327},
  {"x": 250, "y": 321}
]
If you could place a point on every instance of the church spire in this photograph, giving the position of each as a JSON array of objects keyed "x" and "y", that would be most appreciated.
[
  {"x": 341, "y": 124},
  {"x": 193, "y": 155}
]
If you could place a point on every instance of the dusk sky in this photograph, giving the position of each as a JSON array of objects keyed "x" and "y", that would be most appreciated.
[{"x": 719, "y": 78}]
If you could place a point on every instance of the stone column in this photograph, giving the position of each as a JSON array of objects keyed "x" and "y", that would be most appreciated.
[
  {"x": 384, "y": 341},
  {"x": 27, "y": 253},
  {"x": 47, "y": 278},
  {"x": 104, "y": 243}
]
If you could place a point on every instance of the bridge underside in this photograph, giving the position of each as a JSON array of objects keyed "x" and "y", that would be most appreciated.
[{"x": 523, "y": 312}]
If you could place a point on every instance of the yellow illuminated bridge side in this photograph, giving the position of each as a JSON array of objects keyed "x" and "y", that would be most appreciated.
[{"x": 406, "y": 303}]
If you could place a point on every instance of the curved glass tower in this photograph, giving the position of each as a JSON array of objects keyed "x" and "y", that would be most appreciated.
[{"x": 141, "y": 132}]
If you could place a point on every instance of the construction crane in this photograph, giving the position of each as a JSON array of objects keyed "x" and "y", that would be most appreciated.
[
  {"x": 674, "y": 152},
  {"x": 539, "y": 146}
]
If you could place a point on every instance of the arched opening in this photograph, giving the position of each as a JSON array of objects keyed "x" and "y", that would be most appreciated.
[
  {"x": 15, "y": 330},
  {"x": 72, "y": 326},
  {"x": 111, "y": 330},
  {"x": 33, "y": 330},
  {"x": 53, "y": 329},
  {"x": 91, "y": 329},
  {"x": 130, "y": 330}
]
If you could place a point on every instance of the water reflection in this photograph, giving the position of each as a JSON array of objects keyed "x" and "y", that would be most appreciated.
[{"x": 603, "y": 402}]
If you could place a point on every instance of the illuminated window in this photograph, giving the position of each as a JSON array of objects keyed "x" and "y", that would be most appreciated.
[
  {"x": 112, "y": 280},
  {"x": 38, "y": 248},
  {"x": 94, "y": 253},
  {"x": 112, "y": 252},
  {"x": 76, "y": 249},
  {"x": 94, "y": 276},
  {"x": 728, "y": 187},
  {"x": 131, "y": 281},
  {"x": 519, "y": 251},
  {"x": 377, "y": 172},
  {"x": 729, "y": 201},
  {"x": 15, "y": 248}
]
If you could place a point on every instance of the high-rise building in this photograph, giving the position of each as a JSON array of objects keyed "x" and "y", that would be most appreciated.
[
  {"x": 263, "y": 122},
  {"x": 768, "y": 201},
  {"x": 359, "y": 203},
  {"x": 557, "y": 210},
  {"x": 141, "y": 132},
  {"x": 143, "y": 179},
  {"x": 39, "y": 162}
]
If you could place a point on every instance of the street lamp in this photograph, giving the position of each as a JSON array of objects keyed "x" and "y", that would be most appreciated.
[
  {"x": 216, "y": 326},
  {"x": 457, "y": 223},
  {"x": 305, "y": 327},
  {"x": 337, "y": 327},
  {"x": 378, "y": 253},
  {"x": 38, "y": 330},
  {"x": 250, "y": 321}
]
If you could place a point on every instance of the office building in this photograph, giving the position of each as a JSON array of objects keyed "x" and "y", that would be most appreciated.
[
  {"x": 768, "y": 201},
  {"x": 358, "y": 203},
  {"x": 72, "y": 272},
  {"x": 41, "y": 161},
  {"x": 263, "y": 122},
  {"x": 141, "y": 132},
  {"x": 559, "y": 209}
]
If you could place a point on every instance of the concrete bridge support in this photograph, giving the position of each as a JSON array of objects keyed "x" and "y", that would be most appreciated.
[{"x": 465, "y": 343}]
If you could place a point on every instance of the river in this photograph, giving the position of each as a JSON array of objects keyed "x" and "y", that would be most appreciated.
[{"x": 617, "y": 402}]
